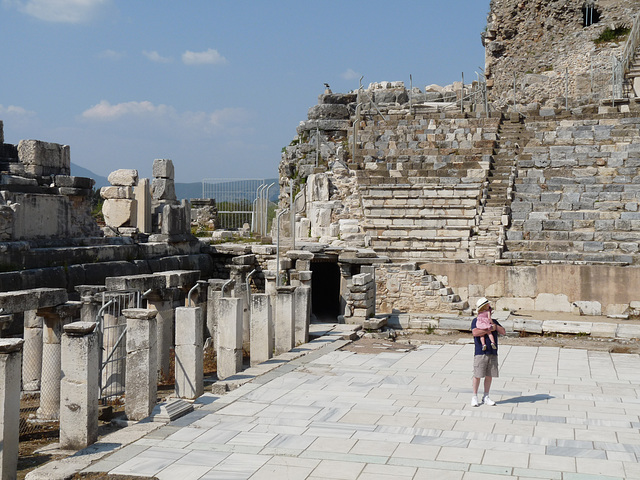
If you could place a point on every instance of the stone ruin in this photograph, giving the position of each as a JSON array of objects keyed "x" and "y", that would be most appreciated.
[
  {"x": 408, "y": 205},
  {"x": 131, "y": 208}
]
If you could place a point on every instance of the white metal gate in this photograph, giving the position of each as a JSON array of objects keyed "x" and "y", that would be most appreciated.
[{"x": 112, "y": 327}]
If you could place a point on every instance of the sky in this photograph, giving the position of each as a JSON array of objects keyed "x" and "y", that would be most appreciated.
[{"x": 218, "y": 87}]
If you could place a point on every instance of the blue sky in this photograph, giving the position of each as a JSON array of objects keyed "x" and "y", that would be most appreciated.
[{"x": 217, "y": 86}]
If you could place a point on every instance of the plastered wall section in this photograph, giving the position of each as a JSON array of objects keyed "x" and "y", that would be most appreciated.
[{"x": 595, "y": 289}]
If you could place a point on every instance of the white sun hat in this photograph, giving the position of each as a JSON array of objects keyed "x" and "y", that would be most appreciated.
[{"x": 482, "y": 301}]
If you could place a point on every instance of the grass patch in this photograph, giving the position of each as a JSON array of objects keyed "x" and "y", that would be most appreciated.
[{"x": 609, "y": 35}]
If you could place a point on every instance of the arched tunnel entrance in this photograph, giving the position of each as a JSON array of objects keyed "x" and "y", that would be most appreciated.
[{"x": 325, "y": 291}]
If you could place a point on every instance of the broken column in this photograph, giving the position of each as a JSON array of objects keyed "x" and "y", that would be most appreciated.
[
  {"x": 241, "y": 266},
  {"x": 141, "y": 374},
  {"x": 91, "y": 301},
  {"x": 261, "y": 329},
  {"x": 54, "y": 320},
  {"x": 119, "y": 207},
  {"x": 302, "y": 314},
  {"x": 229, "y": 337},
  {"x": 142, "y": 195},
  {"x": 79, "y": 387},
  {"x": 32, "y": 363},
  {"x": 10, "y": 359},
  {"x": 176, "y": 284},
  {"x": 189, "y": 354},
  {"x": 284, "y": 326},
  {"x": 214, "y": 295}
]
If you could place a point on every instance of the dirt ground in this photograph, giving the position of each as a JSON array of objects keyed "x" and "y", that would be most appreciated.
[{"x": 406, "y": 341}]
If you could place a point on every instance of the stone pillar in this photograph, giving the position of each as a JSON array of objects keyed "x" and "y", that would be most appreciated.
[
  {"x": 141, "y": 376},
  {"x": 32, "y": 362},
  {"x": 345, "y": 277},
  {"x": 261, "y": 329},
  {"x": 10, "y": 359},
  {"x": 305, "y": 277},
  {"x": 238, "y": 273},
  {"x": 142, "y": 194},
  {"x": 284, "y": 326},
  {"x": 229, "y": 337},
  {"x": 270, "y": 289},
  {"x": 189, "y": 354},
  {"x": 165, "y": 315},
  {"x": 214, "y": 295},
  {"x": 302, "y": 314},
  {"x": 54, "y": 320},
  {"x": 79, "y": 388},
  {"x": 91, "y": 301}
]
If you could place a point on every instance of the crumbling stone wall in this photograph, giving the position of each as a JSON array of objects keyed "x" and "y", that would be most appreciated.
[
  {"x": 39, "y": 200},
  {"x": 538, "y": 40}
]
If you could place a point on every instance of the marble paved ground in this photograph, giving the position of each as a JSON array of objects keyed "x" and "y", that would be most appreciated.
[{"x": 560, "y": 414}]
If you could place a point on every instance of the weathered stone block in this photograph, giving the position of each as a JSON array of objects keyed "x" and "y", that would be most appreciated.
[
  {"x": 163, "y": 189},
  {"x": 43, "y": 158},
  {"x": 119, "y": 212},
  {"x": 163, "y": 168},
  {"x": 109, "y": 193},
  {"x": 123, "y": 177}
]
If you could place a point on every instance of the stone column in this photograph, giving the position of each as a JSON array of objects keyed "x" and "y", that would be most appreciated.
[
  {"x": 142, "y": 194},
  {"x": 79, "y": 388},
  {"x": 261, "y": 329},
  {"x": 189, "y": 354},
  {"x": 10, "y": 359},
  {"x": 91, "y": 301},
  {"x": 301, "y": 314},
  {"x": 270, "y": 289},
  {"x": 239, "y": 275},
  {"x": 284, "y": 327},
  {"x": 32, "y": 363},
  {"x": 345, "y": 277},
  {"x": 54, "y": 320},
  {"x": 229, "y": 337},
  {"x": 214, "y": 295},
  {"x": 141, "y": 376},
  {"x": 165, "y": 318}
]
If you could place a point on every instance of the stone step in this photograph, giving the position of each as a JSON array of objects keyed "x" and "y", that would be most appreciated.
[
  {"x": 410, "y": 216},
  {"x": 568, "y": 257}
]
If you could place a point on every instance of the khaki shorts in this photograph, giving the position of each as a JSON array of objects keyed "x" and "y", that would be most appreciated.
[{"x": 485, "y": 366}]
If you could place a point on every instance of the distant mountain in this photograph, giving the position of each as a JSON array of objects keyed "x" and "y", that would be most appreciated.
[
  {"x": 78, "y": 171},
  {"x": 183, "y": 190}
]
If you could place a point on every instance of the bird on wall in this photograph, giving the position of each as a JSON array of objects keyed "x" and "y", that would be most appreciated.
[{"x": 327, "y": 88}]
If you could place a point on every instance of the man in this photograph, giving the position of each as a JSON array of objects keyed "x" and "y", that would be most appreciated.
[{"x": 485, "y": 361}]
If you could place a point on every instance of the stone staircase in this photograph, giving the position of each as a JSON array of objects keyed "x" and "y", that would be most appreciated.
[
  {"x": 420, "y": 179},
  {"x": 487, "y": 244}
]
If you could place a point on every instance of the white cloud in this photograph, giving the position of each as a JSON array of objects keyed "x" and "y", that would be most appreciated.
[
  {"x": 106, "y": 112},
  {"x": 350, "y": 74},
  {"x": 156, "y": 57},
  {"x": 111, "y": 54},
  {"x": 62, "y": 11},
  {"x": 13, "y": 110},
  {"x": 147, "y": 115},
  {"x": 210, "y": 57}
]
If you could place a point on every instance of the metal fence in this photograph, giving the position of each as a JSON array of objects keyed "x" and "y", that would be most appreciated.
[
  {"x": 112, "y": 328},
  {"x": 240, "y": 202}
]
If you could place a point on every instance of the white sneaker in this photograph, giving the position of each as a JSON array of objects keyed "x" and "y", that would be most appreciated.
[
  {"x": 474, "y": 401},
  {"x": 487, "y": 401}
]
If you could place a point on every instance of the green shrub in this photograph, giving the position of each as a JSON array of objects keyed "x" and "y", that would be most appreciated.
[{"x": 609, "y": 35}]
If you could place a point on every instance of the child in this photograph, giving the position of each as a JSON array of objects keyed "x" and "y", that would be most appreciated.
[{"x": 484, "y": 322}]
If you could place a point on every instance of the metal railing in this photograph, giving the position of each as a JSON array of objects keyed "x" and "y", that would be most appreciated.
[
  {"x": 633, "y": 41},
  {"x": 240, "y": 202},
  {"x": 112, "y": 328}
]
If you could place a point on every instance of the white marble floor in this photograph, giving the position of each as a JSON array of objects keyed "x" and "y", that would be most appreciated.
[{"x": 560, "y": 414}]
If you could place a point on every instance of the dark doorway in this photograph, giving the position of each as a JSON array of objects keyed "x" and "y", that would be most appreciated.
[
  {"x": 325, "y": 291},
  {"x": 590, "y": 14}
]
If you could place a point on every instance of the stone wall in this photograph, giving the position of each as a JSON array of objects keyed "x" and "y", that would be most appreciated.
[
  {"x": 539, "y": 41},
  {"x": 39, "y": 200},
  {"x": 586, "y": 289},
  {"x": 577, "y": 194}
]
